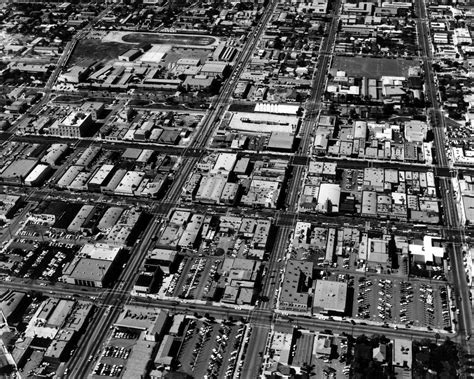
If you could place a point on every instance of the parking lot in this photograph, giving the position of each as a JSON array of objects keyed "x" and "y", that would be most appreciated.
[
  {"x": 39, "y": 260},
  {"x": 197, "y": 281},
  {"x": 113, "y": 357},
  {"x": 396, "y": 301},
  {"x": 211, "y": 349}
]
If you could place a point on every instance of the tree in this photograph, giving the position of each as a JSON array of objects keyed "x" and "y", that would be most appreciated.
[
  {"x": 308, "y": 370},
  {"x": 387, "y": 110}
]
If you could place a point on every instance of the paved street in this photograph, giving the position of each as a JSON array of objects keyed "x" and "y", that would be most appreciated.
[{"x": 447, "y": 191}]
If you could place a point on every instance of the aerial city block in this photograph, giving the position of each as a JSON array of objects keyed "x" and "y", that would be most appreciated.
[{"x": 220, "y": 189}]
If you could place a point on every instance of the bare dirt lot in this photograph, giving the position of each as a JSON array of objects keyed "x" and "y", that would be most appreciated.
[{"x": 373, "y": 67}]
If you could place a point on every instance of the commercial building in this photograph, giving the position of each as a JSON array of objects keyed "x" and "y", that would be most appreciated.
[
  {"x": 224, "y": 164},
  {"x": 49, "y": 318},
  {"x": 17, "y": 171},
  {"x": 101, "y": 177},
  {"x": 229, "y": 193},
  {"x": 114, "y": 181},
  {"x": 165, "y": 355},
  {"x": 162, "y": 258},
  {"x": 76, "y": 124},
  {"x": 38, "y": 175},
  {"x": 95, "y": 108},
  {"x": 144, "y": 282},
  {"x": 129, "y": 183},
  {"x": 109, "y": 219},
  {"x": 240, "y": 275},
  {"x": 254, "y": 122},
  {"x": 80, "y": 182},
  {"x": 323, "y": 344},
  {"x": 152, "y": 321},
  {"x": 210, "y": 189},
  {"x": 90, "y": 272},
  {"x": 12, "y": 304},
  {"x": 88, "y": 156},
  {"x": 402, "y": 353},
  {"x": 190, "y": 235},
  {"x": 281, "y": 141},
  {"x": 297, "y": 282},
  {"x": 262, "y": 193},
  {"x": 82, "y": 216},
  {"x": 330, "y": 297},
  {"x": 94, "y": 266},
  {"x": 415, "y": 131},
  {"x": 8, "y": 205},
  {"x": 68, "y": 176},
  {"x": 54, "y": 153}
]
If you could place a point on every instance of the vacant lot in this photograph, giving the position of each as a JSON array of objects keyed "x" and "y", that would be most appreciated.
[
  {"x": 373, "y": 67},
  {"x": 97, "y": 50}
]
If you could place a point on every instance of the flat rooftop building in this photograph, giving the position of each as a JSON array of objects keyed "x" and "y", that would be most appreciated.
[
  {"x": 100, "y": 177},
  {"x": 109, "y": 219},
  {"x": 90, "y": 272},
  {"x": 76, "y": 124},
  {"x": 262, "y": 122},
  {"x": 80, "y": 219},
  {"x": 294, "y": 293},
  {"x": 281, "y": 141},
  {"x": 129, "y": 183},
  {"x": 37, "y": 175},
  {"x": 18, "y": 170},
  {"x": 330, "y": 296},
  {"x": 225, "y": 163},
  {"x": 88, "y": 156},
  {"x": 100, "y": 251},
  {"x": 69, "y": 176},
  {"x": 150, "y": 320},
  {"x": 210, "y": 188}
]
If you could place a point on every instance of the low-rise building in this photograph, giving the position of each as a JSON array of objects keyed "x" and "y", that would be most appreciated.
[
  {"x": 297, "y": 282},
  {"x": 38, "y": 175},
  {"x": 330, "y": 297},
  {"x": 76, "y": 124}
]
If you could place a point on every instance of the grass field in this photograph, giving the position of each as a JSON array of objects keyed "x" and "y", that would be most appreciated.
[
  {"x": 373, "y": 67},
  {"x": 169, "y": 39},
  {"x": 97, "y": 50}
]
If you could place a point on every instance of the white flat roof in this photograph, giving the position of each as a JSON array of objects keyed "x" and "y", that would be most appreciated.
[
  {"x": 263, "y": 122},
  {"x": 36, "y": 173},
  {"x": 285, "y": 109},
  {"x": 155, "y": 54},
  {"x": 225, "y": 162},
  {"x": 75, "y": 118},
  {"x": 130, "y": 182},
  {"x": 101, "y": 174},
  {"x": 100, "y": 251},
  {"x": 329, "y": 295}
]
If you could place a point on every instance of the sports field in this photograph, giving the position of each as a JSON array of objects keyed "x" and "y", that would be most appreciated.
[
  {"x": 97, "y": 50},
  {"x": 169, "y": 39},
  {"x": 373, "y": 67}
]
